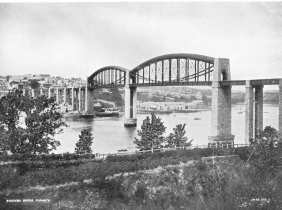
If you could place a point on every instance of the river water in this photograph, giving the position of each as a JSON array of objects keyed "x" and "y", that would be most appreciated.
[{"x": 110, "y": 135}]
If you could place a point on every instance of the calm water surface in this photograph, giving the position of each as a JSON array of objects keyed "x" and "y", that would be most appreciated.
[{"x": 110, "y": 135}]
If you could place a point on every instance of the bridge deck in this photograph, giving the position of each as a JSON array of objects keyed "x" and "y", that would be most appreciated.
[
  {"x": 255, "y": 82},
  {"x": 196, "y": 83},
  {"x": 209, "y": 83}
]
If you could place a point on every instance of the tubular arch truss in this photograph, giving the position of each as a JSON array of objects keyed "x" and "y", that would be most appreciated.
[{"x": 169, "y": 69}]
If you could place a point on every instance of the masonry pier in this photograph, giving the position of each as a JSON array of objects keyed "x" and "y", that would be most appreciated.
[
  {"x": 130, "y": 99},
  {"x": 258, "y": 109},
  {"x": 249, "y": 112},
  {"x": 221, "y": 105}
]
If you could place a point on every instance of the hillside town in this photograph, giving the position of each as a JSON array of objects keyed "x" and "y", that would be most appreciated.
[{"x": 25, "y": 82}]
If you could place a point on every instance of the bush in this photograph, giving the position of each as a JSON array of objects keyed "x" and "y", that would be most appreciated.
[
  {"x": 57, "y": 172},
  {"x": 45, "y": 157}
]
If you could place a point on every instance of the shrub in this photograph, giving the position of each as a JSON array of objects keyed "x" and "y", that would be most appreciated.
[{"x": 83, "y": 146}]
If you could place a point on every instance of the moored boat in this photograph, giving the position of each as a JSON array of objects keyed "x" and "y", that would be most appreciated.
[{"x": 106, "y": 112}]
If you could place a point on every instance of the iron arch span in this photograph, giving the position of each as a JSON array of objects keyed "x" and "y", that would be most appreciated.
[
  {"x": 108, "y": 76},
  {"x": 170, "y": 69},
  {"x": 173, "y": 69}
]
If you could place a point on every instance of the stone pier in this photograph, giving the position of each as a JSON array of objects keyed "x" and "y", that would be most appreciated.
[
  {"x": 32, "y": 93},
  {"x": 249, "y": 112},
  {"x": 49, "y": 93},
  {"x": 72, "y": 98},
  {"x": 57, "y": 95},
  {"x": 258, "y": 109},
  {"x": 254, "y": 111},
  {"x": 82, "y": 100},
  {"x": 86, "y": 104},
  {"x": 130, "y": 106},
  {"x": 79, "y": 99},
  {"x": 65, "y": 95},
  {"x": 89, "y": 94},
  {"x": 221, "y": 105}
]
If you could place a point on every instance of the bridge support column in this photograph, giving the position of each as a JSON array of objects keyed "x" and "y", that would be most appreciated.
[
  {"x": 82, "y": 98},
  {"x": 49, "y": 92},
  {"x": 57, "y": 95},
  {"x": 65, "y": 96},
  {"x": 258, "y": 109},
  {"x": 86, "y": 99},
  {"x": 24, "y": 92},
  {"x": 280, "y": 110},
  {"x": 79, "y": 99},
  {"x": 89, "y": 94},
  {"x": 221, "y": 105},
  {"x": 249, "y": 112},
  {"x": 72, "y": 98},
  {"x": 32, "y": 93},
  {"x": 130, "y": 98}
]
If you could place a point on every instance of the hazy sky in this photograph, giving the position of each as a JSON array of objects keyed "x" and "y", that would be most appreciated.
[{"x": 73, "y": 40}]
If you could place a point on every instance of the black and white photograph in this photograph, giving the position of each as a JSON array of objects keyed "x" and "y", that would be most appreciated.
[{"x": 142, "y": 105}]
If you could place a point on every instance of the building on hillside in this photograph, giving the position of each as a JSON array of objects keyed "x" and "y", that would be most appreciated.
[{"x": 170, "y": 106}]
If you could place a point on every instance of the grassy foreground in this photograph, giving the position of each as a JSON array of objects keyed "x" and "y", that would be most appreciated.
[{"x": 156, "y": 181}]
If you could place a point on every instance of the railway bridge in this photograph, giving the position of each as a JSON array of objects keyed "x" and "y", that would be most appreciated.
[{"x": 183, "y": 70}]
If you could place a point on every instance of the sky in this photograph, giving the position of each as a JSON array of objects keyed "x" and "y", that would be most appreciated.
[{"x": 75, "y": 39}]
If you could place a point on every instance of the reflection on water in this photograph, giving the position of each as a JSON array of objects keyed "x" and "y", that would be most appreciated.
[{"x": 110, "y": 135}]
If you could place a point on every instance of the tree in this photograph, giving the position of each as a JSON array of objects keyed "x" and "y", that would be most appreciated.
[
  {"x": 265, "y": 153},
  {"x": 83, "y": 146},
  {"x": 29, "y": 123},
  {"x": 11, "y": 106},
  {"x": 43, "y": 121},
  {"x": 178, "y": 138},
  {"x": 265, "y": 163},
  {"x": 3, "y": 140},
  {"x": 151, "y": 133},
  {"x": 170, "y": 140}
]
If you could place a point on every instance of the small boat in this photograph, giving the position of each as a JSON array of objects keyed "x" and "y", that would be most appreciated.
[
  {"x": 154, "y": 111},
  {"x": 70, "y": 114},
  {"x": 186, "y": 111},
  {"x": 106, "y": 112},
  {"x": 122, "y": 150},
  {"x": 86, "y": 115},
  {"x": 197, "y": 118}
]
